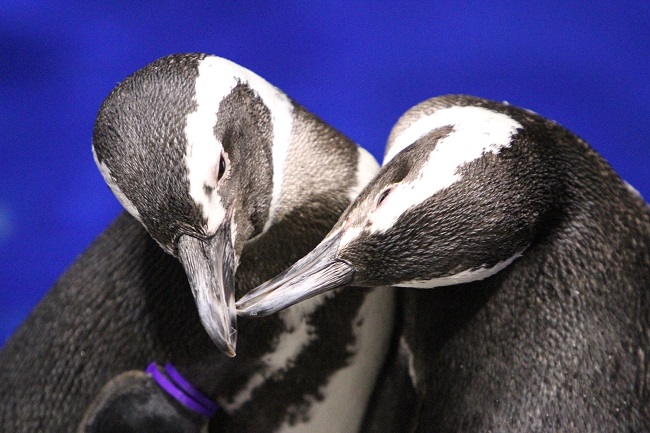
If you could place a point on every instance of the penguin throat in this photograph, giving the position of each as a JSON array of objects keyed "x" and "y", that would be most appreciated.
[{"x": 465, "y": 276}]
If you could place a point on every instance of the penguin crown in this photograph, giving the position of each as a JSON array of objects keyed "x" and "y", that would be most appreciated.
[{"x": 166, "y": 139}]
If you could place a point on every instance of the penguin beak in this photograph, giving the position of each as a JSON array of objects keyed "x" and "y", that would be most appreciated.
[
  {"x": 210, "y": 268},
  {"x": 316, "y": 273}
]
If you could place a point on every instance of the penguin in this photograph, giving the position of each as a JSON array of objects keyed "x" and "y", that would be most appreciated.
[
  {"x": 226, "y": 181},
  {"x": 524, "y": 263}
]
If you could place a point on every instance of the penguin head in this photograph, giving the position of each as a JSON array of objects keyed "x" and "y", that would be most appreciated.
[
  {"x": 464, "y": 189},
  {"x": 192, "y": 146}
]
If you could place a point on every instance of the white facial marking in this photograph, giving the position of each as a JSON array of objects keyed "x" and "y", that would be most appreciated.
[
  {"x": 483, "y": 126},
  {"x": 282, "y": 120},
  {"x": 367, "y": 168},
  {"x": 217, "y": 77},
  {"x": 124, "y": 201},
  {"x": 461, "y": 277},
  {"x": 213, "y": 83},
  {"x": 476, "y": 131},
  {"x": 349, "y": 234},
  {"x": 233, "y": 236},
  {"x": 487, "y": 126}
]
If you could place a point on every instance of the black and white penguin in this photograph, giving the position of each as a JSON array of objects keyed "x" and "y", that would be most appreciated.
[
  {"x": 538, "y": 259},
  {"x": 237, "y": 181}
]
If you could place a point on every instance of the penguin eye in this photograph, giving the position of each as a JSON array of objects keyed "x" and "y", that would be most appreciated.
[
  {"x": 222, "y": 167},
  {"x": 382, "y": 196}
]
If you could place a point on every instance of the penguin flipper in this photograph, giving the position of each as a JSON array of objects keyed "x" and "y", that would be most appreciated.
[{"x": 132, "y": 402}]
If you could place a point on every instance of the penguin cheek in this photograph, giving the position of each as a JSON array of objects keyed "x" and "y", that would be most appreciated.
[{"x": 371, "y": 277}]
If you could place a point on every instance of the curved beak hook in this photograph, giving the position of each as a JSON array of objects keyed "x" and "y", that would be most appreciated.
[{"x": 210, "y": 268}]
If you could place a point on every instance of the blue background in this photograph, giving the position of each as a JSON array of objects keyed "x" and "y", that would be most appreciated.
[{"x": 358, "y": 65}]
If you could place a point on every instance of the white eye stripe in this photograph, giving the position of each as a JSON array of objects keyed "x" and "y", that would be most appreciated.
[
  {"x": 476, "y": 131},
  {"x": 121, "y": 197},
  {"x": 216, "y": 79},
  {"x": 203, "y": 149},
  {"x": 497, "y": 127}
]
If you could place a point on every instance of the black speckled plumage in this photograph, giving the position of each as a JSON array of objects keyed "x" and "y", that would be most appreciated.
[
  {"x": 125, "y": 302},
  {"x": 559, "y": 340}
]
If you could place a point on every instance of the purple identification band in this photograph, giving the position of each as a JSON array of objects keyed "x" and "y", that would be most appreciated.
[
  {"x": 182, "y": 390},
  {"x": 189, "y": 389}
]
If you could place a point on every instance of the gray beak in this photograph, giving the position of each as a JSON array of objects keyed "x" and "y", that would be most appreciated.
[
  {"x": 317, "y": 272},
  {"x": 210, "y": 268}
]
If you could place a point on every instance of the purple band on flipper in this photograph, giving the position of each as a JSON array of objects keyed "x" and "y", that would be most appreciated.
[
  {"x": 189, "y": 389},
  {"x": 178, "y": 393}
]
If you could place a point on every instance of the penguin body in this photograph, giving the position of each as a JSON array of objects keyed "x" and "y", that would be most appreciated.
[
  {"x": 525, "y": 262},
  {"x": 228, "y": 174}
]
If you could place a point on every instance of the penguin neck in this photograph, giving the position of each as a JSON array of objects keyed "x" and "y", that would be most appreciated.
[
  {"x": 280, "y": 360},
  {"x": 589, "y": 258},
  {"x": 322, "y": 173}
]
